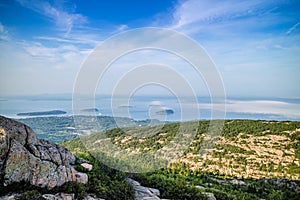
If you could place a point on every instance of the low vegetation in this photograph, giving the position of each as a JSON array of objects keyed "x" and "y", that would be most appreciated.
[
  {"x": 103, "y": 182},
  {"x": 251, "y": 160}
]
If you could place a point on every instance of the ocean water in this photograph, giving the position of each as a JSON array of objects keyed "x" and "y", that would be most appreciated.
[{"x": 164, "y": 108}]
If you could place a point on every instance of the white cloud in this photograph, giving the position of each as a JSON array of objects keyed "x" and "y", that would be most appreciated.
[
  {"x": 122, "y": 27},
  {"x": 230, "y": 20},
  {"x": 293, "y": 28},
  {"x": 246, "y": 40},
  {"x": 239, "y": 54},
  {"x": 268, "y": 107},
  {"x": 47, "y": 63},
  {"x": 61, "y": 56},
  {"x": 277, "y": 46},
  {"x": 63, "y": 19},
  {"x": 265, "y": 107},
  {"x": 156, "y": 103},
  {"x": 214, "y": 12},
  {"x": 77, "y": 40},
  {"x": 32, "y": 68}
]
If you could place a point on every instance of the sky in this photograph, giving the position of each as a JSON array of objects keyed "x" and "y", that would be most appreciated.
[{"x": 255, "y": 45}]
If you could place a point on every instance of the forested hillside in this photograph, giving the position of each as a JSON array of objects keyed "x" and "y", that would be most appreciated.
[{"x": 250, "y": 160}]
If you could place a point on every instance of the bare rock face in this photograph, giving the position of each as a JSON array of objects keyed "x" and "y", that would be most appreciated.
[
  {"x": 64, "y": 196},
  {"x": 143, "y": 193},
  {"x": 25, "y": 158},
  {"x": 87, "y": 166}
]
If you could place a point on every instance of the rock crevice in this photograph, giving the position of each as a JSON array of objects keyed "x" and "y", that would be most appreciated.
[{"x": 4, "y": 161}]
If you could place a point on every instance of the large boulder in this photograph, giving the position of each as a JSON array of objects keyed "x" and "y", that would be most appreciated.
[
  {"x": 25, "y": 158},
  {"x": 143, "y": 193}
]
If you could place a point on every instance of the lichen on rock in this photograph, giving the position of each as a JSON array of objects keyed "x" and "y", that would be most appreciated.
[{"x": 25, "y": 158}]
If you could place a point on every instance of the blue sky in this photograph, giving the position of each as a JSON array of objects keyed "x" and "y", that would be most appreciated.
[{"x": 254, "y": 44}]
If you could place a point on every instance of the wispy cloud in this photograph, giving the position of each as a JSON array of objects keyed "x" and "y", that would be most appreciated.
[
  {"x": 253, "y": 43},
  {"x": 293, "y": 28},
  {"x": 122, "y": 27},
  {"x": 1, "y": 27},
  {"x": 3, "y": 33},
  {"x": 63, "y": 19},
  {"x": 90, "y": 41},
  {"x": 224, "y": 17},
  {"x": 36, "y": 68},
  {"x": 246, "y": 40},
  {"x": 55, "y": 57}
]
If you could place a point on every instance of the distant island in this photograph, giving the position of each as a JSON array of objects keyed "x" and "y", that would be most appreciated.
[
  {"x": 125, "y": 106},
  {"x": 51, "y": 112},
  {"x": 165, "y": 111},
  {"x": 90, "y": 110}
]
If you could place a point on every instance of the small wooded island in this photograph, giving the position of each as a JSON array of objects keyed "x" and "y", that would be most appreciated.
[
  {"x": 51, "y": 112},
  {"x": 90, "y": 110}
]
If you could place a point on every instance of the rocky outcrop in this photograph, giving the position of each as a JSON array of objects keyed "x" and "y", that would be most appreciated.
[
  {"x": 210, "y": 196},
  {"x": 87, "y": 166},
  {"x": 143, "y": 193},
  {"x": 58, "y": 196},
  {"x": 146, "y": 193},
  {"x": 64, "y": 196},
  {"x": 25, "y": 158}
]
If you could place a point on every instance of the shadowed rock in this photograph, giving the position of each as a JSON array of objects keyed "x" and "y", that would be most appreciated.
[{"x": 25, "y": 158}]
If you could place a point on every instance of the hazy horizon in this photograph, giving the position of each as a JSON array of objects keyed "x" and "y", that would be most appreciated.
[{"x": 138, "y": 106}]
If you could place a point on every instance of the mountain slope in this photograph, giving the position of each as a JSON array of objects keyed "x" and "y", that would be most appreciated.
[
  {"x": 251, "y": 159},
  {"x": 245, "y": 149}
]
